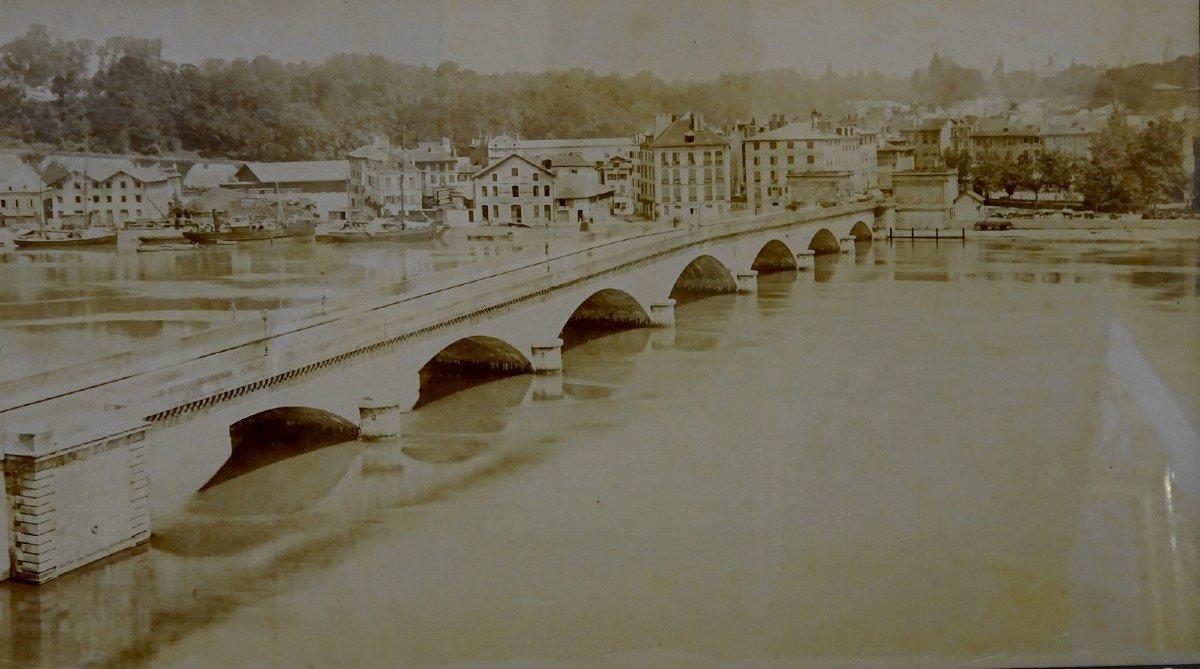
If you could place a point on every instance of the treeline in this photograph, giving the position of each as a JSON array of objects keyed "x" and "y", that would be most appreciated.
[
  {"x": 122, "y": 96},
  {"x": 1128, "y": 171}
]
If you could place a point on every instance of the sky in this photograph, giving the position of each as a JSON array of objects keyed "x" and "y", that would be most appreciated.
[{"x": 674, "y": 39}]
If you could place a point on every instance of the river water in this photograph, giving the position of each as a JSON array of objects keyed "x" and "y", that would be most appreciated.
[{"x": 921, "y": 455}]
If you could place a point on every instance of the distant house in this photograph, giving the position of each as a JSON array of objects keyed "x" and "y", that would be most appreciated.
[
  {"x": 582, "y": 197},
  {"x": 617, "y": 173},
  {"x": 21, "y": 191},
  {"x": 323, "y": 182},
  {"x": 967, "y": 207},
  {"x": 591, "y": 149},
  {"x": 515, "y": 191},
  {"x": 930, "y": 139}
]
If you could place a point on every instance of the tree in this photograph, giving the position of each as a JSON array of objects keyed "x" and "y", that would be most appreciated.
[
  {"x": 1157, "y": 160},
  {"x": 988, "y": 173}
]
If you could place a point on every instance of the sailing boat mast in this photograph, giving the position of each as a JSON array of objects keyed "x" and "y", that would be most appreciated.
[{"x": 403, "y": 175}]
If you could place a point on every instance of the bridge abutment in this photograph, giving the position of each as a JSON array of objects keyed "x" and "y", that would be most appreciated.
[
  {"x": 747, "y": 281},
  {"x": 662, "y": 314},
  {"x": 546, "y": 357},
  {"x": 806, "y": 260},
  {"x": 846, "y": 245},
  {"x": 69, "y": 507}
]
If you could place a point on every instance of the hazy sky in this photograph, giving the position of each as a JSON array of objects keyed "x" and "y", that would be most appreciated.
[{"x": 672, "y": 38}]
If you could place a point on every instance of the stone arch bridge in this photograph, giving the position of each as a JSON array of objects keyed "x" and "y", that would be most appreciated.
[{"x": 82, "y": 445}]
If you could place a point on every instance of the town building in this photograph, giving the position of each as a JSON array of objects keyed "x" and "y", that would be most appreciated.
[
  {"x": 815, "y": 145},
  {"x": 682, "y": 170},
  {"x": 582, "y": 197},
  {"x": 391, "y": 179},
  {"x": 960, "y": 133},
  {"x": 322, "y": 182},
  {"x": 617, "y": 173},
  {"x": 514, "y": 191},
  {"x": 930, "y": 139},
  {"x": 892, "y": 158},
  {"x": 108, "y": 191},
  {"x": 1007, "y": 138},
  {"x": 1072, "y": 138},
  {"x": 21, "y": 191}
]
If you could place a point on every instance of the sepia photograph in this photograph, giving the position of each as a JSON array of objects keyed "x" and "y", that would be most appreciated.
[{"x": 660, "y": 334}]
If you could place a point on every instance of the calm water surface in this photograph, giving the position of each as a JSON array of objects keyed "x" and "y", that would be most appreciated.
[{"x": 920, "y": 456}]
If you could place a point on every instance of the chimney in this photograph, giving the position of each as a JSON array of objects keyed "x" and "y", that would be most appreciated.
[{"x": 816, "y": 117}]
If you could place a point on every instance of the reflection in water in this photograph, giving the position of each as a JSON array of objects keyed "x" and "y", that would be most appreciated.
[{"x": 984, "y": 477}]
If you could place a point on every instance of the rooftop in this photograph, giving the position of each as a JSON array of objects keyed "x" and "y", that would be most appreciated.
[{"x": 308, "y": 170}]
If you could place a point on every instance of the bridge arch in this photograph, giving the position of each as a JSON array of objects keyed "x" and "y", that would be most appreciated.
[
  {"x": 467, "y": 362},
  {"x": 824, "y": 242},
  {"x": 704, "y": 275},
  {"x": 861, "y": 232},
  {"x": 271, "y": 435},
  {"x": 775, "y": 256},
  {"x": 605, "y": 310}
]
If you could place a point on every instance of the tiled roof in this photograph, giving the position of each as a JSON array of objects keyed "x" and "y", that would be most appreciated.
[
  {"x": 676, "y": 135},
  {"x": 294, "y": 172},
  {"x": 101, "y": 169},
  {"x": 15, "y": 175},
  {"x": 543, "y": 144},
  {"x": 370, "y": 152},
  {"x": 567, "y": 160},
  {"x": 579, "y": 186}
]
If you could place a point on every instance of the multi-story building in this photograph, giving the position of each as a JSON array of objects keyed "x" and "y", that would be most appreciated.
[
  {"x": 21, "y": 191},
  {"x": 108, "y": 191},
  {"x": 816, "y": 145},
  {"x": 930, "y": 138},
  {"x": 617, "y": 173},
  {"x": 1070, "y": 137},
  {"x": 960, "y": 133},
  {"x": 515, "y": 190},
  {"x": 892, "y": 158},
  {"x": 392, "y": 179},
  {"x": 682, "y": 170},
  {"x": 1007, "y": 138}
]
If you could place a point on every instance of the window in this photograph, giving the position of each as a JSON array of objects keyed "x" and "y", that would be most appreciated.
[
  {"x": 137, "y": 198},
  {"x": 546, "y": 191},
  {"x": 791, "y": 145},
  {"x": 810, "y": 144},
  {"x": 78, "y": 200},
  {"x": 535, "y": 178},
  {"x": 791, "y": 160},
  {"x": 494, "y": 176},
  {"x": 514, "y": 172},
  {"x": 516, "y": 191},
  {"x": 772, "y": 160},
  {"x": 122, "y": 185},
  {"x": 124, "y": 198},
  {"x": 772, "y": 145},
  {"x": 810, "y": 160},
  {"x": 495, "y": 211}
]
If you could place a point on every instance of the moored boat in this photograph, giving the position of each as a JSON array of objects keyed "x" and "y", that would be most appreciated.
[
  {"x": 65, "y": 239},
  {"x": 380, "y": 231},
  {"x": 246, "y": 231}
]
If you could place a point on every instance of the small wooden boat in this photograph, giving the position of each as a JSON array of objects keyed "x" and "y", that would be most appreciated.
[{"x": 65, "y": 239}]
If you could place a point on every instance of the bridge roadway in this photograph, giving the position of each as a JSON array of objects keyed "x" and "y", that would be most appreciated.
[{"x": 80, "y": 445}]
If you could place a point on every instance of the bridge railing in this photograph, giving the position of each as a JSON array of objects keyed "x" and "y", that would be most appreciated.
[{"x": 558, "y": 257}]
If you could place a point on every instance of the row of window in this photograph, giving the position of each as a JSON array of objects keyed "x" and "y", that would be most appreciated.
[
  {"x": 107, "y": 198},
  {"x": 15, "y": 202},
  {"x": 708, "y": 157},
  {"x": 516, "y": 191}
]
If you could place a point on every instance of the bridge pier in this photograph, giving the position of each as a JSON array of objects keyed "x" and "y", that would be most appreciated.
[
  {"x": 662, "y": 314},
  {"x": 75, "y": 505},
  {"x": 846, "y": 245},
  {"x": 747, "y": 281},
  {"x": 546, "y": 357},
  {"x": 806, "y": 260},
  {"x": 378, "y": 419}
]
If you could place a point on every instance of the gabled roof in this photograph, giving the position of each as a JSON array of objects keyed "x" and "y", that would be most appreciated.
[
  {"x": 676, "y": 135},
  {"x": 971, "y": 195},
  {"x": 370, "y": 152},
  {"x": 102, "y": 169},
  {"x": 512, "y": 156},
  {"x": 292, "y": 172},
  {"x": 579, "y": 186},
  {"x": 573, "y": 143}
]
